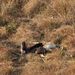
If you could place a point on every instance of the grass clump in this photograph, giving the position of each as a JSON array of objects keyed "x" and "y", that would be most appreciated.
[
  {"x": 33, "y": 7},
  {"x": 9, "y": 72},
  {"x": 62, "y": 54},
  {"x": 11, "y": 28},
  {"x": 58, "y": 40}
]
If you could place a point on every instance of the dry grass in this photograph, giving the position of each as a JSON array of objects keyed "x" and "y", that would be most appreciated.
[
  {"x": 33, "y": 7},
  {"x": 2, "y": 31},
  {"x": 5, "y": 66},
  {"x": 40, "y": 21},
  {"x": 2, "y": 52}
]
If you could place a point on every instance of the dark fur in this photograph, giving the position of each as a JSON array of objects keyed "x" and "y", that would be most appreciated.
[
  {"x": 58, "y": 46},
  {"x": 24, "y": 47},
  {"x": 31, "y": 49},
  {"x": 40, "y": 50}
]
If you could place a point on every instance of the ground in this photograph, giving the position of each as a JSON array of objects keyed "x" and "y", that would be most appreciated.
[{"x": 37, "y": 21}]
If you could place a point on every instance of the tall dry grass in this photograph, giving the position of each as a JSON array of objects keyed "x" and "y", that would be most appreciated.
[
  {"x": 33, "y": 7},
  {"x": 41, "y": 21}
]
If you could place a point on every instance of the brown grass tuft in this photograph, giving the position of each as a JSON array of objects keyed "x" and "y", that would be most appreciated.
[
  {"x": 33, "y": 7},
  {"x": 2, "y": 53}
]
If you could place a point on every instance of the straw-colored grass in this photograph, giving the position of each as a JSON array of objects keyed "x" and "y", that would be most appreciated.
[{"x": 37, "y": 21}]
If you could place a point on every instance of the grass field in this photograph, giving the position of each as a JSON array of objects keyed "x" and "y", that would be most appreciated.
[{"x": 37, "y": 21}]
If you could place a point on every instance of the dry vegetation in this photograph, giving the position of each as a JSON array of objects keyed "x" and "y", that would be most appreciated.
[{"x": 37, "y": 20}]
